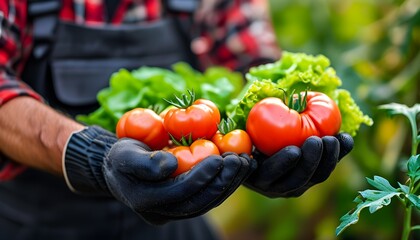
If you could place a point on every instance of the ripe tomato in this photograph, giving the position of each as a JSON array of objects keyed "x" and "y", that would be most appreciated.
[
  {"x": 212, "y": 105},
  {"x": 198, "y": 120},
  {"x": 188, "y": 156},
  {"x": 272, "y": 125},
  {"x": 143, "y": 125},
  {"x": 165, "y": 111},
  {"x": 237, "y": 141}
]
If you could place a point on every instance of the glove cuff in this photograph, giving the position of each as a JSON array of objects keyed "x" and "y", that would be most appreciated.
[{"x": 83, "y": 159}]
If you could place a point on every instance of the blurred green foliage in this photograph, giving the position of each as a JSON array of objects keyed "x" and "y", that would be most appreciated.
[{"x": 375, "y": 47}]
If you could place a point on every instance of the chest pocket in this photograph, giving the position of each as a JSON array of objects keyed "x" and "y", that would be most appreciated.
[{"x": 83, "y": 58}]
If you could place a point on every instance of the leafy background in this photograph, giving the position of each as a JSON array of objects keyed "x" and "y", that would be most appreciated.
[{"x": 375, "y": 47}]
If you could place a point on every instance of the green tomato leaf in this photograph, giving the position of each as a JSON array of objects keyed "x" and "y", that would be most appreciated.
[
  {"x": 376, "y": 199},
  {"x": 371, "y": 199},
  {"x": 401, "y": 109},
  {"x": 414, "y": 199},
  {"x": 413, "y": 167},
  {"x": 404, "y": 188},
  {"x": 381, "y": 184},
  {"x": 410, "y": 113}
]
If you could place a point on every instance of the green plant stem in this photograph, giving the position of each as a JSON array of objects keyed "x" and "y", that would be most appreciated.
[
  {"x": 414, "y": 133},
  {"x": 407, "y": 224},
  {"x": 416, "y": 189},
  {"x": 407, "y": 218}
]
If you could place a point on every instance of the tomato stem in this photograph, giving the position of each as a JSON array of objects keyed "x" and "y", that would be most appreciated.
[
  {"x": 157, "y": 108},
  {"x": 183, "y": 141},
  {"x": 226, "y": 125},
  {"x": 298, "y": 103},
  {"x": 284, "y": 95},
  {"x": 185, "y": 101}
]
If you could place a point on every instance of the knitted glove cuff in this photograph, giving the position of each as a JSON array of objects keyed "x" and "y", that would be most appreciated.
[{"x": 83, "y": 160}]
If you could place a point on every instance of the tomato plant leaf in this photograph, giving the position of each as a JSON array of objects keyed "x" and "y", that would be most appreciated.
[
  {"x": 404, "y": 188},
  {"x": 401, "y": 109},
  {"x": 411, "y": 114},
  {"x": 381, "y": 184},
  {"x": 376, "y": 199},
  {"x": 413, "y": 167},
  {"x": 414, "y": 199},
  {"x": 371, "y": 199}
]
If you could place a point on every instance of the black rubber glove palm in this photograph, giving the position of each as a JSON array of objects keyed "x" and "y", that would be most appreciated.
[
  {"x": 292, "y": 170},
  {"x": 95, "y": 162}
]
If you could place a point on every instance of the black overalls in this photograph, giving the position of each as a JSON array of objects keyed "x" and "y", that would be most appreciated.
[{"x": 68, "y": 74}]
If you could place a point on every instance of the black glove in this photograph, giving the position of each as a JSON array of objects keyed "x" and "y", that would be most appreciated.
[
  {"x": 96, "y": 162},
  {"x": 292, "y": 170}
]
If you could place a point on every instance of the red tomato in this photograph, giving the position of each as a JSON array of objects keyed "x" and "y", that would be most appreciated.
[
  {"x": 196, "y": 121},
  {"x": 272, "y": 125},
  {"x": 212, "y": 105},
  {"x": 143, "y": 125},
  {"x": 237, "y": 141},
  {"x": 188, "y": 156},
  {"x": 165, "y": 111}
]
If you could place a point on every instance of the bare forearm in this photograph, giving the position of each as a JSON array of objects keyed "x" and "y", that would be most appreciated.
[{"x": 33, "y": 134}]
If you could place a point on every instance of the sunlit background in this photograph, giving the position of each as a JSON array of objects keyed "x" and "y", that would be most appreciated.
[{"x": 375, "y": 47}]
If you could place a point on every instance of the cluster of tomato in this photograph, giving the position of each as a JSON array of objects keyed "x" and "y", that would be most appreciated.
[{"x": 193, "y": 130}]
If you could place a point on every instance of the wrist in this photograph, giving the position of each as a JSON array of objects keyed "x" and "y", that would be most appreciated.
[{"x": 83, "y": 157}]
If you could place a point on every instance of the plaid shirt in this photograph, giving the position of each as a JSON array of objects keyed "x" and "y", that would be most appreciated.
[{"x": 230, "y": 33}]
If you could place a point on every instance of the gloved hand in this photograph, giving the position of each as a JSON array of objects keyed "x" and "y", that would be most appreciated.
[
  {"x": 96, "y": 162},
  {"x": 292, "y": 170}
]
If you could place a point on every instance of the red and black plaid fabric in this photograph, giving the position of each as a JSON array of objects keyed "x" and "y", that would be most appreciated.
[{"x": 231, "y": 33}]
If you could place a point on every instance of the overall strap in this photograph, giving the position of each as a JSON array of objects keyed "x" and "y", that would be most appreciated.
[
  {"x": 44, "y": 14},
  {"x": 182, "y": 13}
]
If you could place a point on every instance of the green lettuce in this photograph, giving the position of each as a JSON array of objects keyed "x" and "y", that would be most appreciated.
[
  {"x": 257, "y": 91},
  {"x": 352, "y": 116},
  {"x": 297, "y": 72},
  {"x": 148, "y": 87}
]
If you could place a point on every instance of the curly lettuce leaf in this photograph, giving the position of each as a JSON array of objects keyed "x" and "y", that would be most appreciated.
[
  {"x": 257, "y": 91},
  {"x": 297, "y": 72},
  {"x": 352, "y": 116}
]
